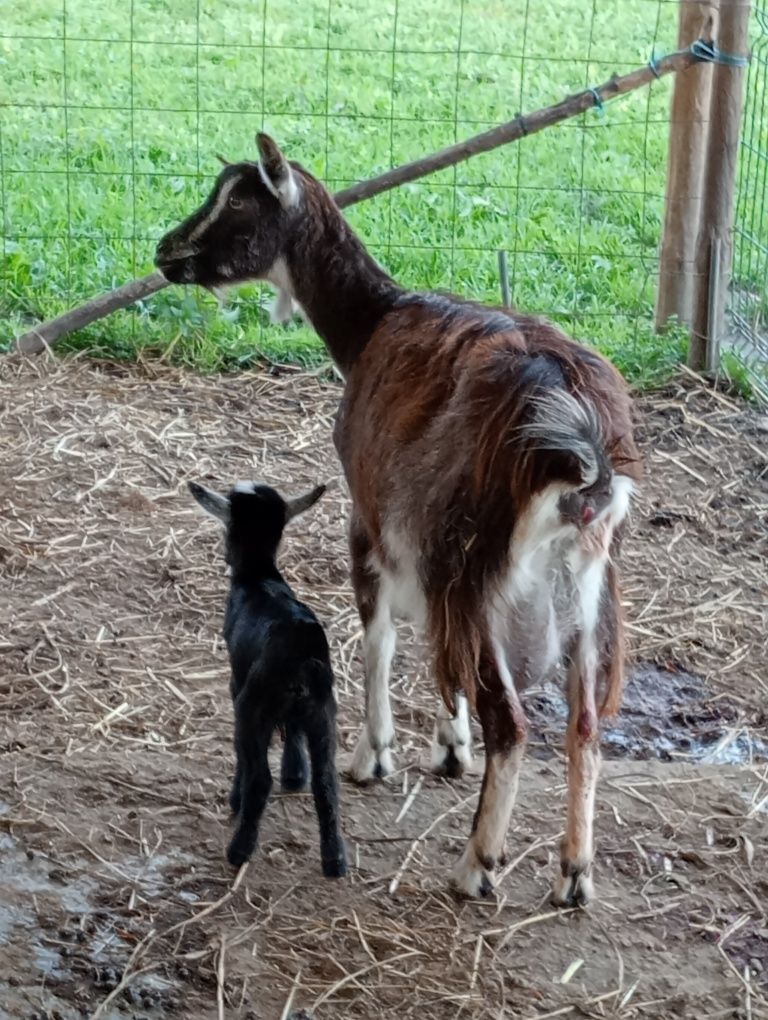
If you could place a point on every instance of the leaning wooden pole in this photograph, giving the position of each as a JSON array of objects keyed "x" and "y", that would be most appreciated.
[
  {"x": 688, "y": 130},
  {"x": 47, "y": 333},
  {"x": 714, "y": 239}
]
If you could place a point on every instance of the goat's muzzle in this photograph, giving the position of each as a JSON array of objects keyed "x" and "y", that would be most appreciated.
[{"x": 171, "y": 251}]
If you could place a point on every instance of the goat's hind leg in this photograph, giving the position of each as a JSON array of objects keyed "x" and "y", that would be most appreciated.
[
  {"x": 255, "y": 779},
  {"x": 597, "y": 650},
  {"x": 504, "y": 732},
  {"x": 573, "y": 886},
  {"x": 321, "y": 738},
  {"x": 294, "y": 771},
  {"x": 373, "y": 755}
]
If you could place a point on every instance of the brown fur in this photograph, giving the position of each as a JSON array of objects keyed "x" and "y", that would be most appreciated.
[{"x": 437, "y": 408}]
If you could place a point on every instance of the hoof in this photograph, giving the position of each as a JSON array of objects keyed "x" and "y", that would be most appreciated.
[
  {"x": 237, "y": 856},
  {"x": 240, "y": 849},
  {"x": 574, "y": 889},
  {"x": 451, "y": 760},
  {"x": 293, "y": 784},
  {"x": 470, "y": 878},
  {"x": 335, "y": 867},
  {"x": 369, "y": 764}
]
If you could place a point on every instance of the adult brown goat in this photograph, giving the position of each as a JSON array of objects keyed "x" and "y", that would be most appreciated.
[{"x": 491, "y": 462}]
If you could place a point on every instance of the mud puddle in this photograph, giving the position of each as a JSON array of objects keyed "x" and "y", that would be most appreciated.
[
  {"x": 63, "y": 950},
  {"x": 667, "y": 715}
]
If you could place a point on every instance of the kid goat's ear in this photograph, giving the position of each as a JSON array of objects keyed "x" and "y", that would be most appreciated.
[
  {"x": 276, "y": 172},
  {"x": 214, "y": 504},
  {"x": 294, "y": 507}
]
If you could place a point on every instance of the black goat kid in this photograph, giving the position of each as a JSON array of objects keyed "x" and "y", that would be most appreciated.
[{"x": 281, "y": 670}]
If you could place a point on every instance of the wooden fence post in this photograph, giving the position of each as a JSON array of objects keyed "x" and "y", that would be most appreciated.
[
  {"x": 716, "y": 220},
  {"x": 689, "y": 121}
]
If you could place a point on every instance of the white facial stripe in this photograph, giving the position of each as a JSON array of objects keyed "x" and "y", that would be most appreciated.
[
  {"x": 243, "y": 487},
  {"x": 218, "y": 207}
]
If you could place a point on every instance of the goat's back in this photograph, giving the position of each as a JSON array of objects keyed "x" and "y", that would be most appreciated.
[
  {"x": 431, "y": 407},
  {"x": 266, "y": 624}
]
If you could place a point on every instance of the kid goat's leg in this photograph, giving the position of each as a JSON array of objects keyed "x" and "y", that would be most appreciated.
[
  {"x": 573, "y": 886},
  {"x": 452, "y": 741},
  {"x": 373, "y": 756},
  {"x": 321, "y": 738},
  {"x": 504, "y": 732},
  {"x": 252, "y": 745},
  {"x": 293, "y": 765}
]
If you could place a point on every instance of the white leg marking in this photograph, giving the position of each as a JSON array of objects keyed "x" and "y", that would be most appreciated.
[
  {"x": 485, "y": 849},
  {"x": 373, "y": 757},
  {"x": 452, "y": 741}
]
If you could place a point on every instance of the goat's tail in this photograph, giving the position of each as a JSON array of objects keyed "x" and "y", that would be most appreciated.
[{"x": 566, "y": 424}]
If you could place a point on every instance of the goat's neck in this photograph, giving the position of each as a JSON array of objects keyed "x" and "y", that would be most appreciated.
[
  {"x": 248, "y": 571},
  {"x": 342, "y": 291}
]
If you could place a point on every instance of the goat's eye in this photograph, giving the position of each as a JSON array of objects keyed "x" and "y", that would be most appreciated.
[{"x": 235, "y": 202}]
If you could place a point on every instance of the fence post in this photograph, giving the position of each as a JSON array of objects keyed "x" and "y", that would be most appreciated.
[
  {"x": 685, "y": 170},
  {"x": 716, "y": 221}
]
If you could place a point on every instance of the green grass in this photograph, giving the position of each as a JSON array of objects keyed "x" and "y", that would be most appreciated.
[{"x": 106, "y": 143}]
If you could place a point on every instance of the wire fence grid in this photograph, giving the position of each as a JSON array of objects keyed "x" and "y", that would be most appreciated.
[
  {"x": 111, "y": 116},
  {"x": 748, "y": 303}
]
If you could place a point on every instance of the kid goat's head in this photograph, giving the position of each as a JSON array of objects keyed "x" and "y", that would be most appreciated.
[
  {"x": 254, "y": 516},
  {"x": 239, "y": 232}
]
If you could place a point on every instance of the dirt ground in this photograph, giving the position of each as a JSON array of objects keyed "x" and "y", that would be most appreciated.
[{"x": 115, "y": 897}]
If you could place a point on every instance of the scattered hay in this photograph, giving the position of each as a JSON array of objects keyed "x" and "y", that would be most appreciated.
[{"x": 117, "y": 734}]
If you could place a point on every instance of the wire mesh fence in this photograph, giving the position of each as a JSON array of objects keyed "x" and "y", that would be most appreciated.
[
  {"x": 748, "y": 306},
  {"x": 111, "y": 117}
]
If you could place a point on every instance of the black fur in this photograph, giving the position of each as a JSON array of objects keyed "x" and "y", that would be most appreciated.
[{"x": 281, "y": 677}]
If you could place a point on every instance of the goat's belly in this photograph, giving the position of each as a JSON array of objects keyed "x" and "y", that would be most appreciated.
[
  {"x": 405, "y": 596},
  {"x": 532, "y": 637},
  {"x": 400, "y": 582}
]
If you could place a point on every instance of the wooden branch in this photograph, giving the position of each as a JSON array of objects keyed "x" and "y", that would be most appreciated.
[
  {"x": 49, "y": 332},
  {"x": 42, "y": 336},
  {"x": 518, "y": 128}
]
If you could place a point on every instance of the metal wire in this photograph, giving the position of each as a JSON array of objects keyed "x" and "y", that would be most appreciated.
[{"x": 163, "y": 78}]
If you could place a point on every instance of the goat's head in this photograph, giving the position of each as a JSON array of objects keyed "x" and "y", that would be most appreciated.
[
  {"x": 253, "y": 515},
  {"x": 241, "y": 229}
]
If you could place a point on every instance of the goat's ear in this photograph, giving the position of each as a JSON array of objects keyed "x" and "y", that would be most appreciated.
[
  {"x": 276, "y": 172},
  {"x": 214, "y": 504},
  {"x": 294, "y": 507}
]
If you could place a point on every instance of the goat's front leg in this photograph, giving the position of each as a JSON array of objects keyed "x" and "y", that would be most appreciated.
[
  {"x": 504, "y": 732},
  {"x": 452, "y": 740},
  {"x": 573, "y": 886},
  {"x": 373, "y": 755}
]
